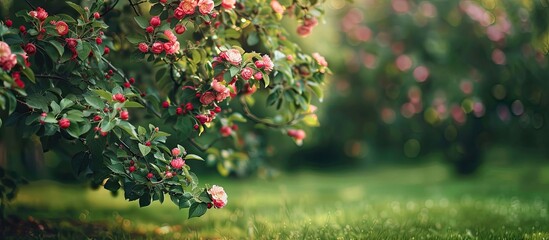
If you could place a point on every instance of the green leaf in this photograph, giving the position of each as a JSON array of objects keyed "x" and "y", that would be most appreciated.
[
  {"x": 197, "y": 209},
  {"x": 83, "y": 49},
  {"x": 144, "y": 149},
  {"x": 107, "y": 126},
  {"x": 129, "y": 128},
  {"x": 234, "y": 71},
  {"x": 141, "y": 130},
  {"x": 237, "y": 117},
  {"x": 193, "y": 157},
  {"x": 60, "y": 49},
  {"x": 145, "y": 200},
  {"x": 132, "y": 104},
  {"x": 76, "y": 7},
  {"x": 65, "y": 103},
  {"x": 117, "y": 168},
  {"x": 29, "y": 74},
  {"x": 266, "y": 79},
  {"x": 205, "y": 197},
  {"x": 74, "y": 130},
  {"x": 80, "y": 162},
  {"x": 156, "y": 9},
  {"x": 103, "y": 94},
  {"x": 55, "y": 108},
  {"x": 94, "y": 101},
  {"x": 112, "y": 184},
  {"x": 141, "y": 21},
  {"x": 252, "y": 39}
]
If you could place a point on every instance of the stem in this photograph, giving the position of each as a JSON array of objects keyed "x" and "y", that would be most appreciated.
[
  {"x": 248, "y": 113},
  {"x": 201, "y": 147}
]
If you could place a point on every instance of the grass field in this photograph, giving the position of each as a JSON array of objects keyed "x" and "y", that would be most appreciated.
[{"x": 420, "y": 202}]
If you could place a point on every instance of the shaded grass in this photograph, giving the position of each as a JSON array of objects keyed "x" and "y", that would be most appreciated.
[{"x": 421, "y": 202}]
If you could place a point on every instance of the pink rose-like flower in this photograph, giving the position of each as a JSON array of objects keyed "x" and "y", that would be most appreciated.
[
  {"x": 33, "y": 14},
  {"x": 205, "y": 6},
  {"x": 188, "y": 6},
  {"x": 233, "y": 56},
  {"x": 8, "y": 60},
  {"x": 171, "y": 47},
  {"x": 143, "y": 47},
  {"x": 218, "y": 195},
  {"x": 178, "y": 13},
  {"x": 41, "y": 14},
  {"x": 247, "y": 73},
  {"x": 277, "y": 7},
  {"x": 207, "y": 98},
  {"x": 228, "y": 4},
  {"x": 267, "y": 63},
  {"x": 177, "y": 163},
  {"x": 320, "y": 59},
  {"x": 62, "y": 28},
  {"x": 157, "y": 48}
]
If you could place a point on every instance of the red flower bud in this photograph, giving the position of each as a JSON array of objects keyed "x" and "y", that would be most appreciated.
[
  {"x": 98, "y": 40},
  {"x": 30, "y": 49},
  {"x": 132, "y": 169},
  {"x": 149, "y": 29},
  {"x": 180, "y": 29},
  {"x": 22, "y": 29},
  {"x": 106, "y": 50},
  {"x": 96, "y": 15},
  {"x": 143, "y": 47},
  {"x": 124, "y": 115},
  {"x": 179, "y": 111},
  {"x": 127, "y": 85},
  {"x": 64, "y": 123},
  {"x": 96, "y": 118},
  {"x": 155, "y": 21},
  {"x": 9, "y": 23},
  {"x": 165, "y": 104}
]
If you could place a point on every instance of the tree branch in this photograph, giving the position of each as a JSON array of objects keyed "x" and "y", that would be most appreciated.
[
  {"x": 49, "y": 76},
  {"x": 201, "y": 147},
  {"x": 30, "y": 4}
]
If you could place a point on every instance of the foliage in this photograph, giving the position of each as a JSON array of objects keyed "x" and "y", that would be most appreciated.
[
  {"x": 63, "y": 87},
  {"x": 426, "y": 75}
]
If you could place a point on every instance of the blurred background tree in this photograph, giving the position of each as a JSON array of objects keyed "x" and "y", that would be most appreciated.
[{"x": 419, "y": 77}]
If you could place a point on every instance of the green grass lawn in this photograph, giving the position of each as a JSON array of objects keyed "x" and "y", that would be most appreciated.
[{"x": 420, "y": 202}]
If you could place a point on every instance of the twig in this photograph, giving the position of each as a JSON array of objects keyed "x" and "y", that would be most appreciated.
[
  {"x": 133, "y": 7},
  {"x": 248, "y": 113},
  {"x": 201, "y": 147},
  {"x": 30, "y": 4},
  {"x": 49, "y": 76},
  {"x": 110, "y": 8},
  {"x": 127, "y": 147}
]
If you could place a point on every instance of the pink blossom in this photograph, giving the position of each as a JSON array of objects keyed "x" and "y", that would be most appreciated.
[
  {"x": 298, "y": 135},
  {"x": 247, "y": 73},
  {"x": 62, "y": 28},
  {"x": 228, "y": 4},
  {"x": 188, "y": 6},
  {"x": 39, "y": 14},
  {"x": 218, "y": 195},
  {"x": 421, "y": 73},
  {"x": 320, "y": 59},
  {"x": 169, "y": 34},
  {"x": 205, "y": 6},
  {"x": 171, "y": 47},
  {"x": 157, "y": 48},
  {"x": 176, "y": 152},
  {"x": 207, "y": 98},
  {"x": 177, "y": 163},
  {"x": 7, "y": 59},
  {"x": 233, "y": 56},
  {"x": 267, "y": 63},
  {"x": 277, "y": 7},
  {"x": 178, "y": 13},
  {"x": 304, "y": 30},
  {"x": 310, "y": 22}
]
